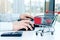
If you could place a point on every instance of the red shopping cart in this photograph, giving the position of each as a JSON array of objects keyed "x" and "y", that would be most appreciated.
[{"x": 45, "y": 22}]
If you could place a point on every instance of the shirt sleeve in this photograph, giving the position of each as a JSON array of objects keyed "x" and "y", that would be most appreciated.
[
  {"x": 9, "y": 17},
  {"x": 6, "y": 26}
]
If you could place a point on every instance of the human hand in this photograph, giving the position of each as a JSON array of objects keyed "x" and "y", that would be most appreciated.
[
  {"x": 22, "y": 24},
  {"x": 26, "y": 16}
]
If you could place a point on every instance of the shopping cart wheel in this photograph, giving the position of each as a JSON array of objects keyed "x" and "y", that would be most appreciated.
[
  {"x": 42, "y": 31},
  {"x": 36, "y": 33},
  {"x": 52, "y": 33},
  {"x": 41, "y": 34}
]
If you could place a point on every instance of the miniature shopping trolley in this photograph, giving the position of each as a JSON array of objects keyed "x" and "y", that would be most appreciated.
[{"x": 45, "y": 24}]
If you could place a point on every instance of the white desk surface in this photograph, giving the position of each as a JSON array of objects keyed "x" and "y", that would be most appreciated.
[{"x": 32, "y": 36}]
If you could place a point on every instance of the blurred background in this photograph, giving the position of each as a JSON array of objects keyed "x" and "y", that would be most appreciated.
[{"x": 33, "y": 7}]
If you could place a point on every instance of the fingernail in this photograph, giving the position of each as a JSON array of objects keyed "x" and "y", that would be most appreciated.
[{"x": 31, "y": 29}]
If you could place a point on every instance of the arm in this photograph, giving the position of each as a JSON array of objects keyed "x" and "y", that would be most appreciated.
[
  {"x": 6, "y": 21},
  {"x": 15, "y": 26}
]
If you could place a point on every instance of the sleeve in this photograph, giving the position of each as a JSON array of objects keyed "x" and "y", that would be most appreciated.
[
  {"x": 15, "y": 17},
  {"x": 9, "y": 17},
  {"x": 6, "y": 21},
  {"x": 6, "y": 26}
]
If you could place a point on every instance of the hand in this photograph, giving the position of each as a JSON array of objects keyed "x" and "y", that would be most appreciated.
[
  {"x": 26, "y": 16},
  {"x": 22, "y": 24}
]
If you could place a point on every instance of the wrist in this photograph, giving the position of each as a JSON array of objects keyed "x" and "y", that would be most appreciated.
[{"x": 15, "y": 26}]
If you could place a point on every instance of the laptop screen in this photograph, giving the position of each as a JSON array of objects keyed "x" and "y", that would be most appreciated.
[{"x": 49, "y": 7}]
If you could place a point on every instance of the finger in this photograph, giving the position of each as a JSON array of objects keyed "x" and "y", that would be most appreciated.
[
  {"x": 29, "y": 26},
  {"x": 29, "y": 16},
  {"x": 26, "y": 21},
  {"x": 26, "y": 27},
  {"x": 26, "y": 18},
  {"x": 31, "y": 23}
]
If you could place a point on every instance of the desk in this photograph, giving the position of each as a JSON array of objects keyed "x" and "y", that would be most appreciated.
[{"x": 31, "y": 35}]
